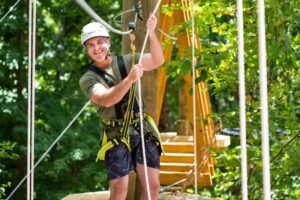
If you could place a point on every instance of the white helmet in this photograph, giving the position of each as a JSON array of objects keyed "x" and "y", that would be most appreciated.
[{"x": 93, "y": 29}]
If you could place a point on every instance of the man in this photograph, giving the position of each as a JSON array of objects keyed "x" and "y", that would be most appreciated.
[{"x": 106, "y": 86}]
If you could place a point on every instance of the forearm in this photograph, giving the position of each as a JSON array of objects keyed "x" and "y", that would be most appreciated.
[
  {"x": 156, "y": 51},
  {"x": 111, "y": 96}
]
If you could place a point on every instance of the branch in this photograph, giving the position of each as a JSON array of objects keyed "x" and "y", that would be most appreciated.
[{"x": 281, "y": 150}]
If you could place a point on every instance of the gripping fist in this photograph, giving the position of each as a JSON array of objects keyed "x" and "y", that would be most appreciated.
[
  {"x": 136, "y": 72},
  {"x": 151, "y": 23}
]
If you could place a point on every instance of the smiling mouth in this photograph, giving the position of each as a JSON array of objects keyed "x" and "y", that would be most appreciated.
[{"x": 99, "y": 52}]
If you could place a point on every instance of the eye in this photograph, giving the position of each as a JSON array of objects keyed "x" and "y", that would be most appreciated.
[
  {"x": 100, "y": 41},
  {"x": 90, "y": 45}
]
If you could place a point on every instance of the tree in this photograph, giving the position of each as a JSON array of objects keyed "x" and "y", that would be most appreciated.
[
  {"x": 61, "y": 60},
  {"x": 218, "y": 65}
]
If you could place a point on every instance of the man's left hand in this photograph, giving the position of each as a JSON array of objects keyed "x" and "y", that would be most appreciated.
[{"x": 151, "y": 23}]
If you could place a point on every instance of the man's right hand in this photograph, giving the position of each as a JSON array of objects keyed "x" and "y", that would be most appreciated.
[{"x": 136, "y": 72}]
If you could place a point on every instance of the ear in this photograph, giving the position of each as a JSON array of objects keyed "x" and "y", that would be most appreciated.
[{"x": 108, "y": 41}]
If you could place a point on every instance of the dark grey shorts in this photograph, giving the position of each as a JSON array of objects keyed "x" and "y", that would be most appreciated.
[{"x": 119, "y": 161}]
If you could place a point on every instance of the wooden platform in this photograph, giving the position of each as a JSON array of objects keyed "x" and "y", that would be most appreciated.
[{"x": 104, "y": 195}]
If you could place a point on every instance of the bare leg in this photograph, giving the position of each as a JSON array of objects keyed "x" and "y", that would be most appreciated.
[
  {"x": 153, "y": 175},
  {"x": 118, "y": 188}
]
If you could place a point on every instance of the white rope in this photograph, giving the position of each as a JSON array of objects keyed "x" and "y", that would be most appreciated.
[
  {"x": 31, "y": 99},
  {"x": 96, "y": 17},
  {"x": 141, "y": 109},
  {"x": 194, "y": 104},
  {"x": 173, "y": 184},
  {"x": 10, "y": 10},
  {"x": 264, "y": 98},
  {"x": 51, "y": 146},
  {"x": 242, "y": 103},
  {"x": 167, "y": 35}
]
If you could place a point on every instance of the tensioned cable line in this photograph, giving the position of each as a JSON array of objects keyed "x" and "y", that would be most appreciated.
[
  {"x": 10, "y": 10},
  {"x": 137, "y": 9},
  {"x": 51, "y": 146},
  {"x": 264, "y": 98},
  {"x": 96, "y": 17},
  {"x": 194, "y": 104},
  {"x": 31, "y": 99},
  {"x": 119, "y": 22},
  {"x": 242, "y": 103}
]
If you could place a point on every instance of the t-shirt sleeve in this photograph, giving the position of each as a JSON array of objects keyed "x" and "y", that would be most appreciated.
[{"x": 89, "y": 85}]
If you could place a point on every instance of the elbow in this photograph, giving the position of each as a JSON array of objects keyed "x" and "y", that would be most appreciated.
[
  {"x": 107, "y": 104},
  {"x": 159, "y": 61},
  {"x": 101, "y": 102},
  {"x": 162, "y": 60}
]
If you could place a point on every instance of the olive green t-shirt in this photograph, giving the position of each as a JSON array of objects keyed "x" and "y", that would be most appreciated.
[{"x": 91, "y": 81}]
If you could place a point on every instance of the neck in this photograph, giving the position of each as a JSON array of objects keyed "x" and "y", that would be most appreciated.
[{"x": 104, "y": 63}]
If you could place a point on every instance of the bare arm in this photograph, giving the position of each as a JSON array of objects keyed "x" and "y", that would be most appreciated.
[
  {"x": 108, "y": 97},
  {"x": 155, "y": 58}
]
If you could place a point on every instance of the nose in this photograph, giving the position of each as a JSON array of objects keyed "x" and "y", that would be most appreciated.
[{"x": 97, "y": 46}]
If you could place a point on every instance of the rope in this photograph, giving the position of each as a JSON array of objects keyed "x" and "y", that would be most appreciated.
[
  {"x": 31, "y": 99},
  {"x": 51, "y": 146},
  {"x": 141, "y": 109},
  {"x": 10, "y": 10},
  {"x": 163, "y": 189},
  {"x": 194, "y": 104},
  {"x": 281, "y": 150},
  {"x": 96, "y": 17},
  {"x": 119, "y": 22},
  {"x": 264, "y": 98},
  {"x": 131, "y": 96},
  {"x": 167, "y": 35},
  {"x": 242, "y": 102}
]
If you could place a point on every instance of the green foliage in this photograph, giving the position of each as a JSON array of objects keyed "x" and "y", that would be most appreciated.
[
  {"x": 61, "y": 60},
  {"x": 6, "y": 153},
  {"x": 216, "y": 24}
]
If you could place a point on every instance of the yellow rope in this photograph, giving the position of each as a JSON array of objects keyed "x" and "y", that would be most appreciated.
[{"x": 130, "y": 102}]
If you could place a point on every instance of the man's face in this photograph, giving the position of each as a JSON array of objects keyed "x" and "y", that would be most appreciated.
[{"x": 97, "y": 48}]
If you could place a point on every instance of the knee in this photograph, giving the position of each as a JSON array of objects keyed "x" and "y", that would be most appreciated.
[
  {"x": 155, "y": 189},
  {"x": 118, "y": 190}
]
